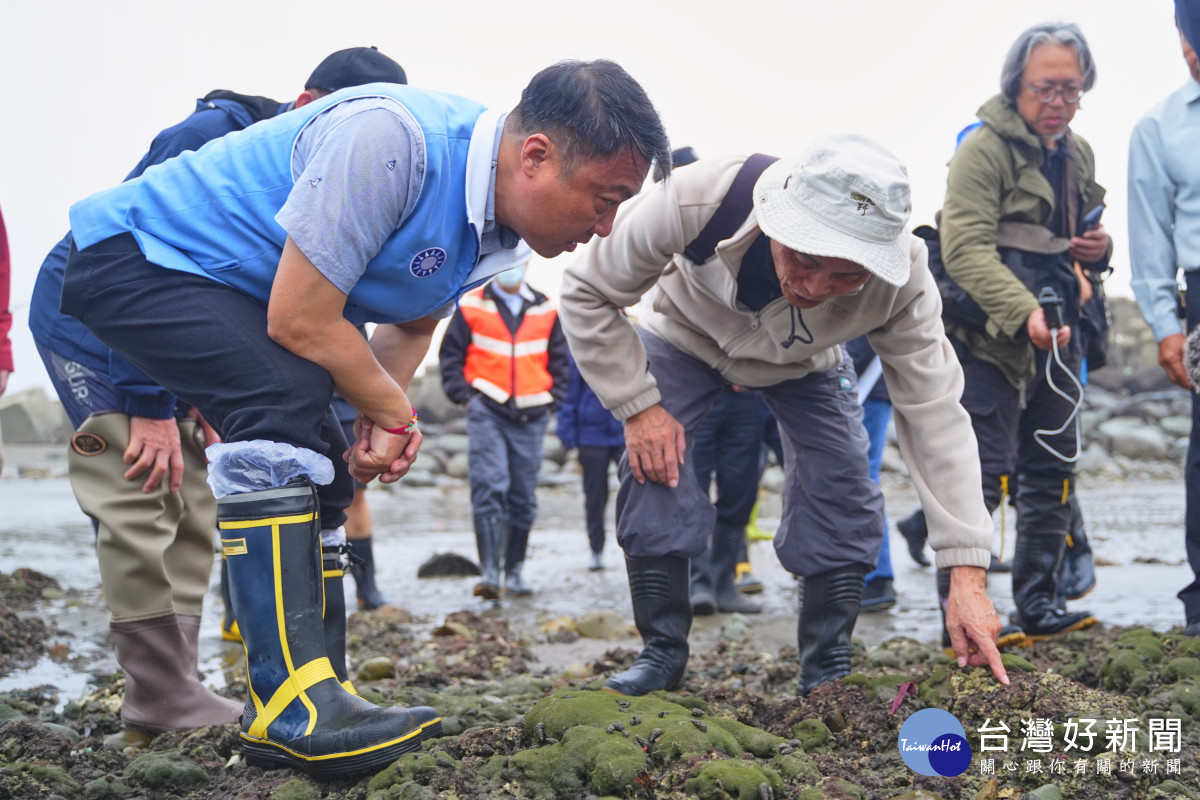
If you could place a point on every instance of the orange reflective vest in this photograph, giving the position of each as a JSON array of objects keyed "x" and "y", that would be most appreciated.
[{"x": 500, "y": 364}]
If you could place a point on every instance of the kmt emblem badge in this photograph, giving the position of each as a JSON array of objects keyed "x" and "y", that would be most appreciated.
[{"x": 427, "y": 262}]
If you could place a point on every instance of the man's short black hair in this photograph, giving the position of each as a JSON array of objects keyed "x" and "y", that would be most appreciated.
[{"x": 592, "y": 110}]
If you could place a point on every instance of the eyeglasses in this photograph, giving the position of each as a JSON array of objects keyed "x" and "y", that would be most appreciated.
[{"x": 1046, "y": 94}]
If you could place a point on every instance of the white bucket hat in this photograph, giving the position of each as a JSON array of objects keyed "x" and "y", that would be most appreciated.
[{"x": 846, "y": 197}]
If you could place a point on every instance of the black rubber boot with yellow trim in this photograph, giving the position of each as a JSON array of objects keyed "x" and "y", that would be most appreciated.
[
  {"x": 297, "y": 713},
  {"x": 333, "y": 573},
  {"x": 229, "y": 626}
]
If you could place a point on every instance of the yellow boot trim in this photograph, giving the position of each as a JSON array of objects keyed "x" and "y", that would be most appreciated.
[
  {"x": 274, "y": 522},
  {"x": 380, "y": 746},
  {"x": 333, "y": 573},
  {"x": 300, "y": 679},
  {"x": 294, "y": 687},
  {"x": 231, "y": 634},
  {"x": 1003, "y": 503},
  {"x": 743, "y": 568}
]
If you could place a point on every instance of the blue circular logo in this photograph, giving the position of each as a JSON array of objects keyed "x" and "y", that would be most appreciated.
[
  {"x": 427, "y": 262},
  {"x": 933, "y": 742}
]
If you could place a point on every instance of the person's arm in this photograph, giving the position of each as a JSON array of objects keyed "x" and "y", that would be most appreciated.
[
  {"x": 614, "y": 274},
  {"x": 967, "y": 229},
  {"x": 1152, "y": 246},
  {"x": 934, "y": 432},
  {"x": 305, "y": 316}
]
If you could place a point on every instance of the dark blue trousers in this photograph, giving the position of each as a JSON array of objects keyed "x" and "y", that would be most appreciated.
[{"x": 207, "y": 344}]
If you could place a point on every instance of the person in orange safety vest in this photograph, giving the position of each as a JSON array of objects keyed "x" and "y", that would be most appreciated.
[{"x": 505, "y": 356}]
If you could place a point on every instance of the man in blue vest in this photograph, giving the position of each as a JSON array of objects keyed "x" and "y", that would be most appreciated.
[
  {"x": 137, "y": 464},
  {"x": 235, "y": 276}
]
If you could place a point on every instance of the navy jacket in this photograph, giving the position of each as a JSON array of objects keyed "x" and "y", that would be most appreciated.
[
  {"x": 583, "y": 420},
  {"x": 216, "y": 114}
]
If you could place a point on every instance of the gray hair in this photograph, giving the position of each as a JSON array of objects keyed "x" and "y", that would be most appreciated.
[
  {"x": 595, "y": 109},
  {"x": 1067, "y": 34}
]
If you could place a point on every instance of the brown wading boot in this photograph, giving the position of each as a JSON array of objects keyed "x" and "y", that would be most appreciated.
[
  {"x": 662, "y": 612},
  {"x": 162, "y": 689}
]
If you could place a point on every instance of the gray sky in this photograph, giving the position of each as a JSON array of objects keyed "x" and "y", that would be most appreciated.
[{"x": 88, "y": 84}]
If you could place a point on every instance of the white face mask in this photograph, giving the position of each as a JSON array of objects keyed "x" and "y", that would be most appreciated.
[{"x": 511, "y": 278}]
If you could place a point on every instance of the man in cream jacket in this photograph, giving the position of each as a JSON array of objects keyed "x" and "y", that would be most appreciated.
[{"x": 809, "y": 254}]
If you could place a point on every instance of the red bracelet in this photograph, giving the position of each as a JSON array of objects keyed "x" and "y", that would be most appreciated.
[{"x": 409, "y": 428}]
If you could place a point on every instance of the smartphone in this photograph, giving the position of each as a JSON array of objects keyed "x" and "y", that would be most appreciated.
[{"x": 1092, "y": 219}]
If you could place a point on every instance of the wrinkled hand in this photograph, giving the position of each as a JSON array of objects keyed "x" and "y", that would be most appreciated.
[
  {"x": 379, "y": 454},
  {"x": 1089, "y": 247},
  {"x": 154, "y": 446},
  {"x": 655, "y": 443},
  {"x": 1170, "y": 358},
  {"x": 972, "y": 622},
  {"x": 211, "y": 436},
  {"x": 1039, "y": 333}
]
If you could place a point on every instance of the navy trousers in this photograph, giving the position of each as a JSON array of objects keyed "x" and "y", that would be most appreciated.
[
  {"x": 832, "y": 510},
  {"x": 207, "y": 344}
]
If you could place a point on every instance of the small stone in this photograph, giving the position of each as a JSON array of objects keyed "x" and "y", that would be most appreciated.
[
  {"x": 447, "y": 565},
  {"x": 376, "y": 669}
]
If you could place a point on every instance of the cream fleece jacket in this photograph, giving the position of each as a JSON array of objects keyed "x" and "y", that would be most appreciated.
[{"x": 694, "y": 308}]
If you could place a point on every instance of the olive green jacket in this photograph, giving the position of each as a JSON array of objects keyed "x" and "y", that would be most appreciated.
[{"x": 995, "y": 177}]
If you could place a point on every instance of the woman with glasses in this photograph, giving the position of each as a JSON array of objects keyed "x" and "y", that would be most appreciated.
[{"x": 1012, "y": 227}]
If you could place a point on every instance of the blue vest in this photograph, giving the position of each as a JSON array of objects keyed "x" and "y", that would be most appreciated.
[{"x": 211, "y": 212}]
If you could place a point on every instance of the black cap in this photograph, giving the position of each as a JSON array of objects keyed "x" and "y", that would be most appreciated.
[
  {"x": 354, "y": 67},
  {"x": 682, "y": 156}
]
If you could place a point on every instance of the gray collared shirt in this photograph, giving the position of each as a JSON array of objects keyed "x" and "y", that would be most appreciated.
[{"x": 496, "y": 236}]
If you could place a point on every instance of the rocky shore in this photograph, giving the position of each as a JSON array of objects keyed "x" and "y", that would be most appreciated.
[{"x": 734, "y": 729}]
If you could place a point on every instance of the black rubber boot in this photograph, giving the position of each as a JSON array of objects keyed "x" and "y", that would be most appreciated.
[
  {"x": 333, "y": 573},
  {"x": 829, "y": 605},
  {"x": 701, "y": 591},
  {"x": 514, "y": 560},
  {"x": 663, "y": 614},
  {"x": 714, "y": 574},
  {"x": 491, "y": 530},
  {"x": 297, "y": 713},
  {"x": 1077, "y": 572},
  {"x": 915, "y": 532},
  {"x": 362, "y": 567},
  {"x": 1035, "y": 589},
  {"x": 1043, "y": 520},
  {"x": 229, "y": 626}
]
